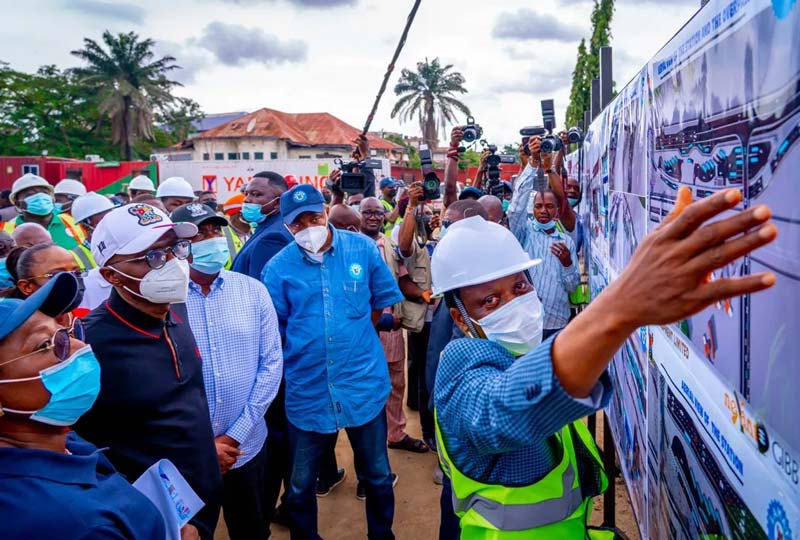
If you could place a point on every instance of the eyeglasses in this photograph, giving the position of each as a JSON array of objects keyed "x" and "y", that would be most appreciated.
[
  {"x": 79, "y": 274},
  {"x": 157, "y": 258},
  {"x": 371, "y": 213},
  {"x": 59, "y": 342}
]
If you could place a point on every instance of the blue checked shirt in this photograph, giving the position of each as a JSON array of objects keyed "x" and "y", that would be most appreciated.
[
  {"x": 335, "y": 370},
  {"x": 552, "y": 280},
  {"x": 237, "y": 333},
  {"x": 497, "y": 413}
]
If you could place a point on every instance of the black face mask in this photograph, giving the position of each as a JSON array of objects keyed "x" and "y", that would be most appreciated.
[
  {"x": 392, "y": 193},
  {"x": 327, "y": 198},
  {"x": 211, "y": 204}
]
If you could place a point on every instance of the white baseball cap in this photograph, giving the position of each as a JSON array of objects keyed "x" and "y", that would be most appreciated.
[
  {"x": 142, "y": 183},
  {"x": 132, "y": 229},
  {"x": 89, "y": 205},
  {"x": 70, "y": 187},
  {"x": 175, "y": 186},
  {"x": 27, "y": 181}
]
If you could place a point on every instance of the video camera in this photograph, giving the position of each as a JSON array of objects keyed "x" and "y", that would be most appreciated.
[
  {"x": 494, "y": 187},
  {"x": 355, "y": 182},
  {"x": 430, "y": 182},
  {"x": 472, "y": 131}
]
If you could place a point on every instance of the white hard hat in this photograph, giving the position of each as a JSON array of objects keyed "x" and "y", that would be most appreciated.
[
  {"x": 70, "y": 187},
  {"x": 89, "y": 205},
  {"x": 476, "y": 251},
  {"x": 27, "y": 181},
  {"x": 142, "y": 183},
  {"x": 175, "y": 186}
]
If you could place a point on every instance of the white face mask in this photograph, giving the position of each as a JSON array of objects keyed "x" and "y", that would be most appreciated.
[
  {"x": 313, "y": 238},
  {"x": 166, "y": 285},
  {"x": 517, "y": 326}
]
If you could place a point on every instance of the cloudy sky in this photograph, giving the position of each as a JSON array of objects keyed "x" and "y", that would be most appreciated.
[{"x": 330, "y": 55}]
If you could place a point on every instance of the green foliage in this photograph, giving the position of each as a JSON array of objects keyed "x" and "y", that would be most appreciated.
[
  {"x": 470, "y": 158},
  {"x": 428, "y": 94},
  {"x": 587, "y": 64}
]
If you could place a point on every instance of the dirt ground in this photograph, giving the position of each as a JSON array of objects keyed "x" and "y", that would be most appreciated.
[{"x": 341, "y": 515}]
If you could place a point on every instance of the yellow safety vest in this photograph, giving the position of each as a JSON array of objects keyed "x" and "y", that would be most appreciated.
[
  {"x": 83, "y": 256},
  {"x": 234, "y": 245},
  {"x": 75, "y": 230}
]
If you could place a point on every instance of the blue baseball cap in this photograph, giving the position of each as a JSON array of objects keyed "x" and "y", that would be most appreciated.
[
  {"x": 301, "y": 198},
  {"x": 470, "y": 191},
  {"x": 58, "y": 295},
  {"x": 388, "y": 182}
]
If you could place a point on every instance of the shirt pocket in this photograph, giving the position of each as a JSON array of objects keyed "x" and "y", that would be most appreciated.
[{"x": 356, "y": 299}]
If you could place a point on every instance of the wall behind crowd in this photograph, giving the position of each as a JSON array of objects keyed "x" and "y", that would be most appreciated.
[{"x": 704, "y": 415}]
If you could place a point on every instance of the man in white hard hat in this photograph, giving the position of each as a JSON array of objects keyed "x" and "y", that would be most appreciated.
[
  {"x": 33, "y": 197},
  {"x": 65, "y": 193},
  {"x": 175, "y": 192},
  {"x": 508, "y": 405},
  {"x": 141, "y": 185},
  {"x": 87, "y": 211}
]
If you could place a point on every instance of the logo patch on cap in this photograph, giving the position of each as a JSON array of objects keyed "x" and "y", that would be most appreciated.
[
  {"x": 147, "y": 214},
  {"x": 197, "y": 210},
  {"x": 299, "y": 196}
]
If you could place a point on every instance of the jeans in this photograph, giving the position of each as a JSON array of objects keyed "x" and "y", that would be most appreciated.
[
  {"x": 449, "y": 527},
  {"x": 307, "y": 449}
]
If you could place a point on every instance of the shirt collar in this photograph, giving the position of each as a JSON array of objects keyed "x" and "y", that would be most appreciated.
[
  {"x": 50, "y": 465},
  {"x": 218, "y": 283}
]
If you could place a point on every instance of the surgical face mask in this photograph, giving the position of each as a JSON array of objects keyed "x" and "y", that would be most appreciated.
[
  {"x": 39, "y": 204},
  {"x": 442, "y": 232},
  {"x": 516, "y": 326},
  {"x": 313, "y": 238},
  {"x": 573, "y": 201},
  {"x": 506, "y": 204},
  {"x": 211, "y": 204},
  {"x": 544, "y": 227},
  {"x": 210, "y": 256},
  {"x": 251, "y": 213},
  {"x": 73, "y": 385},
  {"x": 58, "y": 208},
  {"x": 166, "y": 285},
  {"x": 356, "y": 208}
]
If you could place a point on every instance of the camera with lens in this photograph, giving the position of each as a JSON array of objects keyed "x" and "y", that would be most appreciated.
[
  {"x": 493, "y": 161},
  {"x": 574, "y": 135},
  {"x": 472, "y": 131},
  {"x": 430, "y": 182},
  {"x": 352, "y": 181},
  {"x": 527, "y": 133}
]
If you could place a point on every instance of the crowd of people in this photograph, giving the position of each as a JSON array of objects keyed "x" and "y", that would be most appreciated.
[{"x": 238, "y": 339}]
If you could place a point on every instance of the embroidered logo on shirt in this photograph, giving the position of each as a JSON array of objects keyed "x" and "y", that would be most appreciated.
[
  {"x": 299, "y": 196},
  {"x": 147, "y": 214},
  {"x": 355, "y": 271}
]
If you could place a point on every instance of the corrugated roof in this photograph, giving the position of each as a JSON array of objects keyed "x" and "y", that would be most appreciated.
[
  {"x": 211, "y": 121},
  {"x": 301, "y": 129}
]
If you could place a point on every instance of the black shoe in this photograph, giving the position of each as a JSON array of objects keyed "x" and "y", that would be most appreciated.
[
  {"x": 361, "y": 489},
  {"x": 281, "y": 516},
  {"x": 431, "y": 442},
  {"x": 323, "y": 490}
]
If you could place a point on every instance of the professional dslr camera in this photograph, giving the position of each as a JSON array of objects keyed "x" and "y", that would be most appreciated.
[
  {"x": 472, "y": 131},
  {"x": 355, "y": 182},
  {"x": 550, "y": 143},
  {"x": 494, "y": 187},
  {"x": 430, "y": 182}
]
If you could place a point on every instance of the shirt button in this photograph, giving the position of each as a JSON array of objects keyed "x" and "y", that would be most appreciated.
[
  {"x": 213, "y": 348},
  {"x": 330, "y": 364},
  {"x": 330, "y": 339},
  {"x": 216, "y": 374},
  {"x": 219, "y": 401}
]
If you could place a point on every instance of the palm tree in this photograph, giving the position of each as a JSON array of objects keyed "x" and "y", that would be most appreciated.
[
  {"x": 428, "y": 95},
  {"x": 130, "y": 85}
]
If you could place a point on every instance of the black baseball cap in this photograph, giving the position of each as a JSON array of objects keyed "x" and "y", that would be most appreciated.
[{"x": 197, "y": 213}]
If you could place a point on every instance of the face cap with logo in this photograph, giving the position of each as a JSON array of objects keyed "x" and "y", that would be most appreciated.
[
  {"x": 198, "y": 214},
  {"x": 132, "y": 229},
  {"x": 301, "y": 198}
]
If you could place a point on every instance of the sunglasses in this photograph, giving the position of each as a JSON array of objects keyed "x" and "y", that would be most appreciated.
[
  {"x": 157, "y": 258},
  {"x": 59, "y": 342}
]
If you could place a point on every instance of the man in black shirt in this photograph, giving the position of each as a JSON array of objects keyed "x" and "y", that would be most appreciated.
[{"x": 152, "y": 403}]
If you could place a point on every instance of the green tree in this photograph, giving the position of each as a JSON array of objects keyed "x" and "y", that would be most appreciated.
[
  {"x": 429, "y": 95},
  {"x": 131, "y": 85},
  {"x": 587, "y": 64}
]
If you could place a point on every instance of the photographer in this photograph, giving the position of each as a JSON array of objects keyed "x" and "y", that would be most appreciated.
[{"x": 482, "y": 169}]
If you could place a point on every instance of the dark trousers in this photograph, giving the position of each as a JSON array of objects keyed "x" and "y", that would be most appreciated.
[
  {"x": 243, "y": 499},
  {"x": 417, "y": 366},
  {"x": 449, "y": 527},
  {"x": 307, "y": 448}
]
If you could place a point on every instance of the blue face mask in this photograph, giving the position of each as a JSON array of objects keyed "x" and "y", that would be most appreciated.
[
  {"x": 6, "y": 280},
  {"x": 73, "y": 385},
  {"x": 210, "y": 256},
  {"x": 39, "y": 204},
  {"x": 573, "y": 201},
  {"x": 442, "y": 232},
  {"x": 58, "y": 208},
  {"x": 251, "y": 213},
  {"x": 506, "y": 204},
  {"x": 544, "y": 227}
]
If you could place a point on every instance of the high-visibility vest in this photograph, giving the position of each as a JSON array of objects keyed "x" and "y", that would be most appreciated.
[
  {"x": 557, "y": 506},
  {"x": 83, "y": 256},
  {"x": 69, "y": 223},
  {"x": 580, "y": 296},
  {"x": 234, "y": 245},
  {"x": 388, "y": 226}
]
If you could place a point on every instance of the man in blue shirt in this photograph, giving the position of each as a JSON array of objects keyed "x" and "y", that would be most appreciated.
[
  {"x": 236, "y": 330},
  {"x": 328, "y": 289}
]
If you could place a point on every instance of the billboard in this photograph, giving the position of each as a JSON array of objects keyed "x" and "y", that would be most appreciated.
[{"x": 704, "y": 412}]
